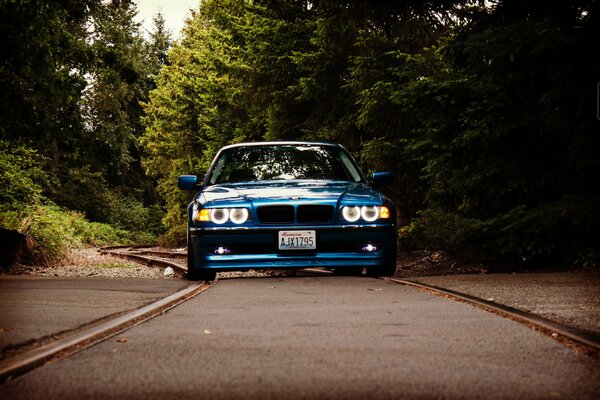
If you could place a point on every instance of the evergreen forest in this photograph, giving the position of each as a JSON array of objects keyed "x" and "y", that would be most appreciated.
[{"x": 487, "y": 113}]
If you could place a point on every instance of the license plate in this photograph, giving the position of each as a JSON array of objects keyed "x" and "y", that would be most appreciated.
[{"x": 297, "y": 240}]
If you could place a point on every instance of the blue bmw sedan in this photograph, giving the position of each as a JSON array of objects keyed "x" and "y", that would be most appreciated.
[{"x": 285, "y": 205}]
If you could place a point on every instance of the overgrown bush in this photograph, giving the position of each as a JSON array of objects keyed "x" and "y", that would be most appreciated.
[
  {"x": 557, "y": 233},
  {"x": 88, "y": 191},
  {"x": 52, "y": 230},
  {"x": 20, "y": 172}
]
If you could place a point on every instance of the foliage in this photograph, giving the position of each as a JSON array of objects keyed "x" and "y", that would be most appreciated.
[
  {"x": 118, "y": 79},
  {"x": 483, "y": 111},
  {"x": 52, "y": 231},
  {"x": 20, "y": 172},
  {"x": 493, "y": 148},
  {"x": 507, "y": 143},
  {"x": 43, "y": 56},
  {"x": 72, "y": 75}
]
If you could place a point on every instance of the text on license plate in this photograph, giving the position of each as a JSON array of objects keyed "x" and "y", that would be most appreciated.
[{"x": 297, "y": 240}]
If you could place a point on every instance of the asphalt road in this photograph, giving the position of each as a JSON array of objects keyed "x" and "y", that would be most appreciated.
[
  {"x": 568, "y": 298},
  {"x": 319, "y": 338},
  {"x": 35, "y": 307}
]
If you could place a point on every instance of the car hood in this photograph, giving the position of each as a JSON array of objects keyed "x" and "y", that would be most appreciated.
[{"x": 330, "y": 192}]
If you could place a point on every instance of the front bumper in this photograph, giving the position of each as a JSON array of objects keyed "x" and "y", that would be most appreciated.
[{"x": 257, "y": 248}]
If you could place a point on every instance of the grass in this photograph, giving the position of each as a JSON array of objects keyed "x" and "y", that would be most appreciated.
[{"x": 116, "y": 265}]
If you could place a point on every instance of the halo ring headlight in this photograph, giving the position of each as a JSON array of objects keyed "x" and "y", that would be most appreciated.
[
  {"x": 351, "y": 214},
  {"x": 219, "y": 215},
  {"x": 369, "y": 213},
  {"x": 238, "y": 215}
]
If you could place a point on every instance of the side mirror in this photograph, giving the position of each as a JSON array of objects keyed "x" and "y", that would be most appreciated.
[
  {"x": 187, "y": 182},
  {"x": 382, "y": 179}
]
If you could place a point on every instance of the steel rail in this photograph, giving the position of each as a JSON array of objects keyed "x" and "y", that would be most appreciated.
[
  {"x": 144, "y": 256},
  {"x": 149, "y": 261},
  {"x": 25, "y": 362},
  {"x": 572, "y": 333},
  {"x": 127, "y": 246},
  {"x": 578, "y": 335},
  {"x": 166, "y": 254}
]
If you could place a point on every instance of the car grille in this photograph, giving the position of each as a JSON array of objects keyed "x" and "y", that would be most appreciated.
[
  {"x": 312, "y": 214},
  {"x": 276, "y": 214},
  {"x": 315, "y": 214}
]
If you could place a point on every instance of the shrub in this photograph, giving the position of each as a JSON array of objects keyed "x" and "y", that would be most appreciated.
[
  {"x": 20, "y": 172},
  {"x": 53, "y": 231},
  {"x": 556, "y": 233}
]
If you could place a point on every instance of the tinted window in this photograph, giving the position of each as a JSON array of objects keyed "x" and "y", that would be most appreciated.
[{"x": 263, "y": 163}]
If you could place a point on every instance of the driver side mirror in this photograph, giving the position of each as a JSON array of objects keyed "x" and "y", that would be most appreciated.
[
  {"x": 188, "y": 182},
  {"x": 379, "y": 179}
]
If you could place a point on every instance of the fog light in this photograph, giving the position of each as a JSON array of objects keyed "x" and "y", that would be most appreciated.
[
  {"x": 222, "y": 250},
  {"x": 368, "y": 248}
]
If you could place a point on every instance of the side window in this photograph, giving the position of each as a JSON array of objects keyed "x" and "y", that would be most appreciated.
[
  {"x": 349, "y": 166},
  {"x": 218, "y": 170}
]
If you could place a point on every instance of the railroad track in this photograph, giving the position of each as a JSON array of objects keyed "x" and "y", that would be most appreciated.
[
  {"x": 553, "y": 328},
  {"x": 152, "y": 258},
  {"x": 22, "y": 363},
  {"x": 564, "y": 333},
  {"x": 544, "y": 325}
]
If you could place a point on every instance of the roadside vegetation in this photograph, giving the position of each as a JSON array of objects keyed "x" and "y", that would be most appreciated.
[
  {"x": 486, "y": 112},
  {"x": 72, "y": 76}
]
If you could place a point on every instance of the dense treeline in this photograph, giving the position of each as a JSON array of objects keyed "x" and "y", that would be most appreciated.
[
  {"x": 485, "y": 111},
  {"x": 72, "y": 76}
]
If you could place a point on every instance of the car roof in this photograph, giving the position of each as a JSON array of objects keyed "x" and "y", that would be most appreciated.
[{"x": 281, "y": 143}]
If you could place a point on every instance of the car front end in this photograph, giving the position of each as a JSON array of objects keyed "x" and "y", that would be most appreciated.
[{"x": 283, "y": 223}]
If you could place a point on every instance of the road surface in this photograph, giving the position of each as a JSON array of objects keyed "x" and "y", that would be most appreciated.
[{"x": 319, "y": 338}]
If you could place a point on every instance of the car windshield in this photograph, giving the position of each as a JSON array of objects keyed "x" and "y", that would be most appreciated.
[{"x": 283, "y": 162}]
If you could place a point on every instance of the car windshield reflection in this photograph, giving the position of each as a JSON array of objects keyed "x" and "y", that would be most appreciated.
[{"x": 289, "y": 162}]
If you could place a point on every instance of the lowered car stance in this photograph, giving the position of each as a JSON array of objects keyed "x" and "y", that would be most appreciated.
[{"x": 288, "y": 205}]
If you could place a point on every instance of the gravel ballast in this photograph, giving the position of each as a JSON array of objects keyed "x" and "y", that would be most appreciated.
[{"x": 86, "y": 263}]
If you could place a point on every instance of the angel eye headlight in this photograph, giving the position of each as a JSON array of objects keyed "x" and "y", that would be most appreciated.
[
  {"x": 219, "y": 215},
  {"x": 238, "y": 215},
  {"x": 351, "y": 214},
  {"x": 369, "y": 213}
]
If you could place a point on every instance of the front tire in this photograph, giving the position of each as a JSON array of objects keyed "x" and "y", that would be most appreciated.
[
  {"x": 194, "y": 274},
  {"x": 348, "y": 271},
  {"x": 202, "y": 275},
  {"x": 382, "y": 270}
]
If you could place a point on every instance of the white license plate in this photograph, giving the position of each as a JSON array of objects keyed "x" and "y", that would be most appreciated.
[{"x": 297, "y": 240}]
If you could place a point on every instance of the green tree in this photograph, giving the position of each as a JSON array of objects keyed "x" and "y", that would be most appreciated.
[
  {"x": 481, "y": 109},
  {"x": 281, "y": 70},
  {"x": 508, "y": 137},
  {"x": 158, "y": 46},
  {"x": 107, "y": 181},
  {"x": 20, "y": 171},
  {"x": 43, "y": 61},
  {"x": 72, "y": 75},
  {"x": 116, "y": 84}
]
